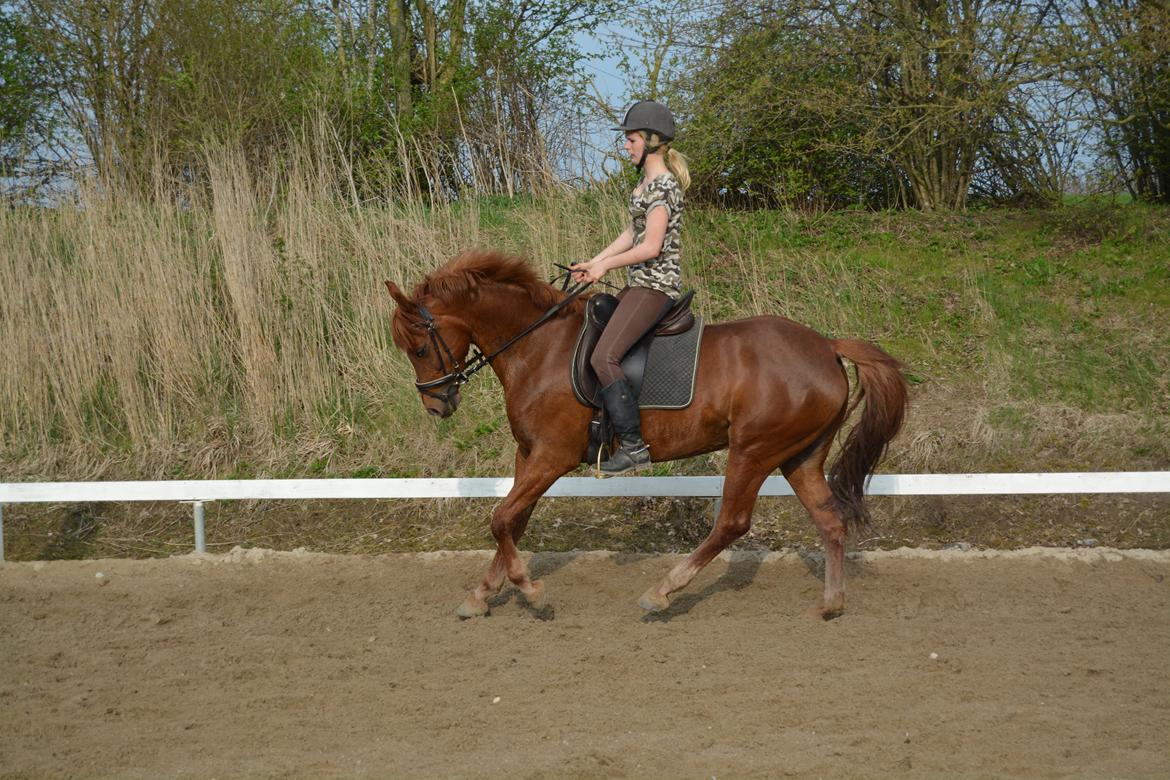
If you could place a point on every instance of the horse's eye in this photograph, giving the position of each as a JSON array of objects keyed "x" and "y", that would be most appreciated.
[{"x": 420, "y": 352}]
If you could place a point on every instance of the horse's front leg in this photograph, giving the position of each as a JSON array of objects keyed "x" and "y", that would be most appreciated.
[
  {"x": 476, "y": 603},
  {"x": 510, "y": 519}
]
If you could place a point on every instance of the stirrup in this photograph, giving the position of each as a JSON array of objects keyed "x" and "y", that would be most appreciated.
[{"x": 624, "y": 461}]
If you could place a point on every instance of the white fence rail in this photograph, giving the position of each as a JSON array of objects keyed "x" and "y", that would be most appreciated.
[{"x": 198, "y": 492}]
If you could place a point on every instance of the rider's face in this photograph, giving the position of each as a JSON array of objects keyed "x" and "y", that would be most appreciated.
[{"x": 635, "y": 145}]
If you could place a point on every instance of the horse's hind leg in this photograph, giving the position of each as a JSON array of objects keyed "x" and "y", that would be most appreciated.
[
  {"x": 742, "y": 483},
  {"x": 808, "y": 482}
]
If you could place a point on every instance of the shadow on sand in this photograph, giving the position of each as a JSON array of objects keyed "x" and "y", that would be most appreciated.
[
  {"x": 740, "y": 573},
  {"x": 540, "y": 566}
]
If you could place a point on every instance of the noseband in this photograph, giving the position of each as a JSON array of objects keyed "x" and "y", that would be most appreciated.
[{"x": 459, "y": 375}]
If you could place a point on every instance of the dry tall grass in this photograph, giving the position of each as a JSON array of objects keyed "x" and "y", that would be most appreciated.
[{"x": 244, "y": 320}]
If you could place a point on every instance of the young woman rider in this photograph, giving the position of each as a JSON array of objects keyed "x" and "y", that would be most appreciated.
[{"x": 649, "y": 250}]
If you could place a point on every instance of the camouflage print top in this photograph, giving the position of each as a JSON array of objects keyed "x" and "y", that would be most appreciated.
[{"x": 662, "y": 273}]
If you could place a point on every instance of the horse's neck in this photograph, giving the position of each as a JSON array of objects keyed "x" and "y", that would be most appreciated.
[{"x": 495, "y": 319}]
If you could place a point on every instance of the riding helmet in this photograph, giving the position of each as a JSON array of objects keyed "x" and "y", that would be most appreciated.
[{"x": 652, "y": 116}]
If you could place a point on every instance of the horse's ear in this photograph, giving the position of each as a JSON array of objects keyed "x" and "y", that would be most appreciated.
[{"x": 399, "y": 296}]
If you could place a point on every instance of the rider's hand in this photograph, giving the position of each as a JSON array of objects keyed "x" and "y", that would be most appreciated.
[{"x": 587, "y": 272}]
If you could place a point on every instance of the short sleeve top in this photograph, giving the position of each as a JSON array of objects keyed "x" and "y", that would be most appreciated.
[{"x": 664, "y": 272}]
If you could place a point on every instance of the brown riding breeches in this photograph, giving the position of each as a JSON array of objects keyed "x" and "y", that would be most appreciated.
[{"x": 638, "y": 311}]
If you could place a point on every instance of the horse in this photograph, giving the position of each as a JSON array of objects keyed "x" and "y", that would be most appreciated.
[{"x": 772, "y": 392}]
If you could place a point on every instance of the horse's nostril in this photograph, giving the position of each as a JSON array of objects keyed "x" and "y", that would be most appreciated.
[{"x": 435, "y": 412}]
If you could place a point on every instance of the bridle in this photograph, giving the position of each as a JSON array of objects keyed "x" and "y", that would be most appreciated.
[{"x": 460, "y": 374}]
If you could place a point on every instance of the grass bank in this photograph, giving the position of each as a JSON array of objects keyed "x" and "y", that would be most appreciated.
[{"x": 242, "y": 331}]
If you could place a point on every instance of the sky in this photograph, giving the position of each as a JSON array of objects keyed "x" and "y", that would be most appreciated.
[{"x": 602, "y": 67}]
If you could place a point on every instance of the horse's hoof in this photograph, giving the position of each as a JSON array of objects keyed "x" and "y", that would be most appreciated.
[
  {"x": 538, "y": 598},
  {"x": 833, "y": 608},
  {"x": 653, "y": 601},
  {"x": 472, "y": 608}
]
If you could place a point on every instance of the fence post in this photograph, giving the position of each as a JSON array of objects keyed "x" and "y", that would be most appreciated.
[{"x": 200, "y": 544}]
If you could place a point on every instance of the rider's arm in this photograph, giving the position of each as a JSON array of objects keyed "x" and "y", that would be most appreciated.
[
  {"x": 619, "y": 245},
  {"x": 651, "y": 246}
]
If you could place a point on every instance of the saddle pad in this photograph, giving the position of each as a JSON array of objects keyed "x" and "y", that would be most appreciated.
[{"x": 669, "y": 381}]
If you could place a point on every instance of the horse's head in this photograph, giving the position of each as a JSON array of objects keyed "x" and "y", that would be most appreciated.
[
  {"x": 436, "y": 343},
  {"x": 435, "y": 325}
]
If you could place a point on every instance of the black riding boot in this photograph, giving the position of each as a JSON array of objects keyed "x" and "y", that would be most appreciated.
[{"x": 622, "y": 407}]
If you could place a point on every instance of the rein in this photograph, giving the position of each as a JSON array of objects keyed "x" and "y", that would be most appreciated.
[{"x": 458, "y": 375}]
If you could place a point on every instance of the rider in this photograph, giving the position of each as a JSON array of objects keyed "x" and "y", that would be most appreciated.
[{"x": 649, "y": 249}]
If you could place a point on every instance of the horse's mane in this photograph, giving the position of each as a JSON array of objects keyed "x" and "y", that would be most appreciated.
[{"x": 459, "y": 280}]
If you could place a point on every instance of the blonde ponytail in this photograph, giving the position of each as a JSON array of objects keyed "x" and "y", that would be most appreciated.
[{"x": 677, "y": 164}]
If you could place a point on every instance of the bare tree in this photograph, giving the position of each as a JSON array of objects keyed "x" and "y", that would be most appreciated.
[
  {"x": 101, "y": 55},
  {"x": 1118, "y": 53},
  {"x": 927, "y": 86},
  {"x": 934, "y": 75}
]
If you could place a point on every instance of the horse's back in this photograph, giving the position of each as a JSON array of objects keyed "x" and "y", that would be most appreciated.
[
  {"x": 763, "y": 383},
  {"x": 771, "y": 341}
]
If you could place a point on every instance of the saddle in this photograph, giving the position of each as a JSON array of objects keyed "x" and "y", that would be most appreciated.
[
  {"x": 669, "y": 382},
  {"x": 678, "y": 319}
]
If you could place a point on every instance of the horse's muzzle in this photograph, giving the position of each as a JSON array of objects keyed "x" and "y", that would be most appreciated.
[{"x": 444, "y": 407}]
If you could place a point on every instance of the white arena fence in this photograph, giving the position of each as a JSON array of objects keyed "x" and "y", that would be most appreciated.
[{"x": 199, "y": 492}]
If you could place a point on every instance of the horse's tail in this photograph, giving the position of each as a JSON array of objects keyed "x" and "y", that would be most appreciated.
[{"x": 887, "y": 399}]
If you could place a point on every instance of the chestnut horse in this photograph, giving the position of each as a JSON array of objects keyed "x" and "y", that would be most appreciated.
[{"x": 771, "y": 391}]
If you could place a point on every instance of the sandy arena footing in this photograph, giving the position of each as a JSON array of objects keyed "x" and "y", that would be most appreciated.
[{"x": 1031, "y": 663}]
